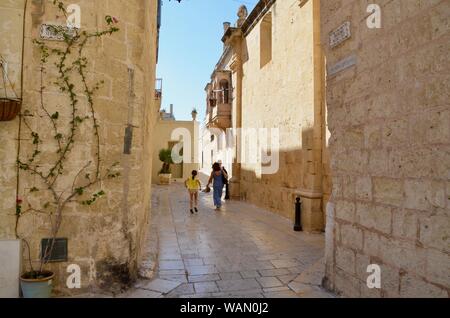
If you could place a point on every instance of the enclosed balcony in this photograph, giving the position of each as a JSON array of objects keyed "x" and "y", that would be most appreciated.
[
  {"x": 220, "y": 116},
  {"x": 219, "y": 106}
]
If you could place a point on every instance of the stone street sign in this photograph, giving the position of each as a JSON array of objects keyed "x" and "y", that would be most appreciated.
[
  {"x": 54, "y": 32},
  {"x": 340, "y": 35},
  {"x": 342, "y": 65}
]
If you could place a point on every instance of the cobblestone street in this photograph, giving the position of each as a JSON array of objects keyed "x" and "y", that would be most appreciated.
[{"x": 242, "y": 251}]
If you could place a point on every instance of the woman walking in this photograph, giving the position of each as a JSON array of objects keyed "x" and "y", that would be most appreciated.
[{"x": 217, "y": 177}]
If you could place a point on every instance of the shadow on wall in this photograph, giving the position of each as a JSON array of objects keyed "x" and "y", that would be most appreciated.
[{"x": 301, "y": 170}]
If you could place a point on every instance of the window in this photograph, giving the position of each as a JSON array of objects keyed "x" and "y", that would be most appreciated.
[
  {"x": 224, "y": 91},
  {"x": 266, "y": 40}
]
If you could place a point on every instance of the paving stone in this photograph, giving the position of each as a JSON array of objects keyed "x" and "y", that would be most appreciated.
[
  {"x": 282, "y": 263},
  {"x": 259, "y": 265},
  {"x": 222, "y": 254},
  {"x": 206, "y": 287},
  {"x": 309, "y": 291},
  {"x": 142, "y": 293},
  {"x": 238, "y": 284},
  {"x": 170, "y": 257},
  {"x": 183, "y": 289},
  {"x": 230, "y": 276},
  {"x": 177, "y": 278},
  {"x": 313, "y": 275},
  {"x": 253, "y": 293},
  {"x": 193, "y": 261},
  {"x": 299, "y": 287},
  {"x": 281, "y": 294},
  {"x": 297, "y": 269},
  {"x": 169, "y": 265},
  {"x": 190, "y": 255},
  {"x": 267, "y": 282},
  {"x": 159, "y": 285},
  {"x": 203, "y": 278},
  {"x": 201, "y": 269},
  {"x": 215, "y": 261},
  {"x": 172, "y": 272},
  {"x": 275, "y": 272},
  {"x": 286, "y": 279},
  {"x": 276, "y": 289},
  {"x": 250, "y": 274},
  {"x": 198, "y": 296}
]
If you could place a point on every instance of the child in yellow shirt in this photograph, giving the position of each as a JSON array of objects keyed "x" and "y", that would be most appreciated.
[{"x": 193, "y": 185}]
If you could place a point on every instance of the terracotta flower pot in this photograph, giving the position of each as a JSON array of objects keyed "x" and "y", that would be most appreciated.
[{"x": 9, "y": 108}]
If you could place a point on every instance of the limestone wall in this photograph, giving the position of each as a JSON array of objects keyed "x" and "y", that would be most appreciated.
[
  {"x": 285, "y": 94},
  {"x": 389, "y": 119},
  {"x": 11, "y": 31},
  {"x": 104, "y": 239}
]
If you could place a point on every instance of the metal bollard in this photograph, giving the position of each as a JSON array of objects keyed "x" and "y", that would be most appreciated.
[{"x": 298, "y": 215}]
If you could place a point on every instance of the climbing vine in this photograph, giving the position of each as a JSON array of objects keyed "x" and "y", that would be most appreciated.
[{"x": 54, "y": 180}]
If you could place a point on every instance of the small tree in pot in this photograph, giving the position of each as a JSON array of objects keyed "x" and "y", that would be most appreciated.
[{"x": 165, "y": 156}]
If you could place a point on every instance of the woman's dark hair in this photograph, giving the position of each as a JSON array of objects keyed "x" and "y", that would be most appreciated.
[
  {"x": 216, "y": 167},
  {"x": 194, "y": 174}
]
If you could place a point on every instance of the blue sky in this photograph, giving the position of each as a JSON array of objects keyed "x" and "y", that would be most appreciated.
[{"x": 190, "y": 47}]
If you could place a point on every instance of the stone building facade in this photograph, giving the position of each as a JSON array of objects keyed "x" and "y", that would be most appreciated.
[
  {"x": 272, "y": 61},
  {"x": 103, "y": 239},
  {"x": 389, "y": 117},
  {"x": 220, "y": 102}
]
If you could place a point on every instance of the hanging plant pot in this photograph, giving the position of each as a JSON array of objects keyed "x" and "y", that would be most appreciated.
[{"x": 9, "y": 108}]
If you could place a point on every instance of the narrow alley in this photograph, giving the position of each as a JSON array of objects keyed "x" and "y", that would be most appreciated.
[
  {"x": 241, "y": 251},
  {"x": 107, "y": 107}
]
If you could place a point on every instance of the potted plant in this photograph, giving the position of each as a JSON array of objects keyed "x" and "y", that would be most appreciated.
[
  {"x": 194, "y": 114},
  {"x": 55, "y": 187},
  {"x": 165, "y": 176},
  {"x": 38, "y": 284}
]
